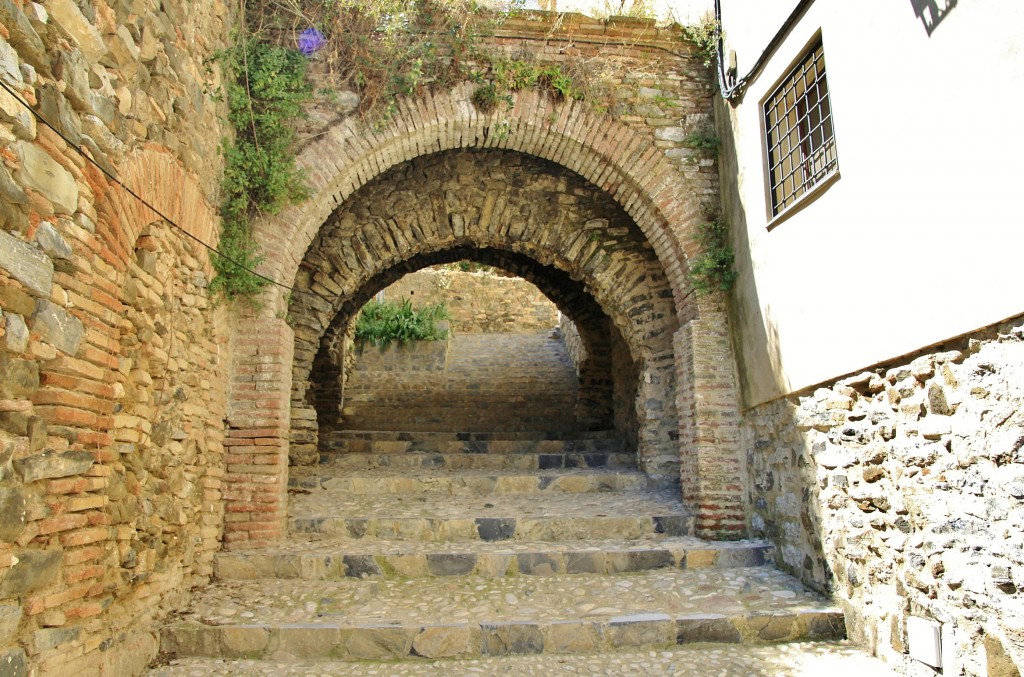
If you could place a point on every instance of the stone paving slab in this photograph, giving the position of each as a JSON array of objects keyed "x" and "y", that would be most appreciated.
[
  {"x": 474, "y": 482},
  {"x": 334, "y": 558},
  {"x": 474, "y": 461},
  {"x": 432, "y": 517},
  {"x": 699, "y": 660}
]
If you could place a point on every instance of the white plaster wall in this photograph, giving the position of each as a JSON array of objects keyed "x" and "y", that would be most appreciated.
[{"x": 920, "y": 239}]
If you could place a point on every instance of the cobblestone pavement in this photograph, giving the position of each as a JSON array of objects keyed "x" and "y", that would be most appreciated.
[
  {"x": 433, "y": 506},
  {"x": 808, "y": 659},
  {"x": 473, "y": 599}
]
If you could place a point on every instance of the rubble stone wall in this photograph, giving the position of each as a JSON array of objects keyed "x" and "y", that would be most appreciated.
[
  {"x": 901, "y": 491},
  {"x": 479, "y": 303},
  {"x": 112, "y": 369}
]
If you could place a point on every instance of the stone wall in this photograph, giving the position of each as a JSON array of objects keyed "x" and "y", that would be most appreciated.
[
  {"x": 901, "y": 490},
  {"x": 470, "y": 383},
  {"x": 112, "y": 372},
  {"x": 479, "y": 302}
]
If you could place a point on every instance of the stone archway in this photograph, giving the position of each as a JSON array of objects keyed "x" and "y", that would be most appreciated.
[
  {"x": 521, "y": 213},
  {"x": 621, "y": 162},
  {"x": 601, "y": 396}
]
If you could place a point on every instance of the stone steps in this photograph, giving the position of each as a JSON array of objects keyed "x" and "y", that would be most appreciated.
[
  {"x": 691, "y": 660},
  {"x": 470, "y": 616},
  {"x": 474, "y": 461},
  {"x": 500, "y": 517},
  {"x": 332, "y": 559},
  {"x": 425, "y": 435},
  {"x": 451, "y": 549},
  {"x": 484, "y": 381},
  {"x": 596, "y": 445},
  {"x": 474, "y": 482}
]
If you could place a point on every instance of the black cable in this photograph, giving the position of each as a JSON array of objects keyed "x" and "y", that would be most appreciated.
[
  {"x": 78, "y": 149},
  {"x": 736, "y": 89}
]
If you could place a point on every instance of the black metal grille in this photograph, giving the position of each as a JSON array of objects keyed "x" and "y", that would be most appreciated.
[{"x": 798, "y": 126}]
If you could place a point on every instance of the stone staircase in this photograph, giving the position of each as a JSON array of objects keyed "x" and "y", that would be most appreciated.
[{"x": 450, "y": 551}]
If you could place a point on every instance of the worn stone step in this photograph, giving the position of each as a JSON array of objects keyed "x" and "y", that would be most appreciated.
[
  {"x": 472, "y": 616},
  {"x": 690, "y": 660},
  {"x": 401, "y": 435},
  {"x": 473, "y": 482},
  {"x": 330, "y": 559},
  {"x": 486, "y": 446},
  {"x": 464, "y": 461},
  {"x": 500, "y": 517}
]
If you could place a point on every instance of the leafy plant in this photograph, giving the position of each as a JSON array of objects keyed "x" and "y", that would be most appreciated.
[
  {"x": 387, "y": 322},
  {"x": 705, "y": 141},
  {"x": 507, "y": 76},
  {"x": 386, "y": 49},
  {"x": 704, "y": 34},
  {"x": 713, "y": 269},
  {"x": 266, "y": 90}
]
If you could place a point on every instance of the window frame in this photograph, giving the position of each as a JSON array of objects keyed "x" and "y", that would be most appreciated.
[{"x": 803, "y": 152}]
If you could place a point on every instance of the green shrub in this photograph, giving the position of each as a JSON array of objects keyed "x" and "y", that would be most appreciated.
[
  {"x": 266, "y": 90},
  {"x": 385, "y": 322},
  {"x": 712, "y": 270}
]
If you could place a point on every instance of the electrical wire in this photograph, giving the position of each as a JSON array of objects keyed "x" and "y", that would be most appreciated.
[{"x": 78, "y": 149}]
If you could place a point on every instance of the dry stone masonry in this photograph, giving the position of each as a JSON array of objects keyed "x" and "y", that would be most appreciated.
[{"x": 900, "y": 491}]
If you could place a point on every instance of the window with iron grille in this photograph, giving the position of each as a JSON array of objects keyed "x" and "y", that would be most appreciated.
[{"x": 798, "y": 127}]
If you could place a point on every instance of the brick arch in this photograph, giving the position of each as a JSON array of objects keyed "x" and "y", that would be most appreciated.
[
  {"x": 156, "y": 174},
  {"x": 621, "y": 161},
  {"x": 529, "y": 214}
]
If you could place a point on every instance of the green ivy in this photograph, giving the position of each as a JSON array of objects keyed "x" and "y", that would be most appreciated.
[
  {"x": 385, "y": 322},
  {"x": 266, "y": 90},
  {"x": 713, "y": 269}
]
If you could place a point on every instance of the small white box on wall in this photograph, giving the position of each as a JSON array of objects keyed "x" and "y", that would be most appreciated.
[{"x": 924, "y": 638}]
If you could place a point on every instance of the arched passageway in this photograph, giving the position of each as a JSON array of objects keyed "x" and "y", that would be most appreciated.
[
  {"x": 633, "y": 265},
  {"x": 602, "y": 371},
  {"x": 519, "y": 213}
]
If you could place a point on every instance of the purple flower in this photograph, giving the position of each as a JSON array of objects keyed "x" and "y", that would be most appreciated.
[{"x": 310, "y": 41}]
